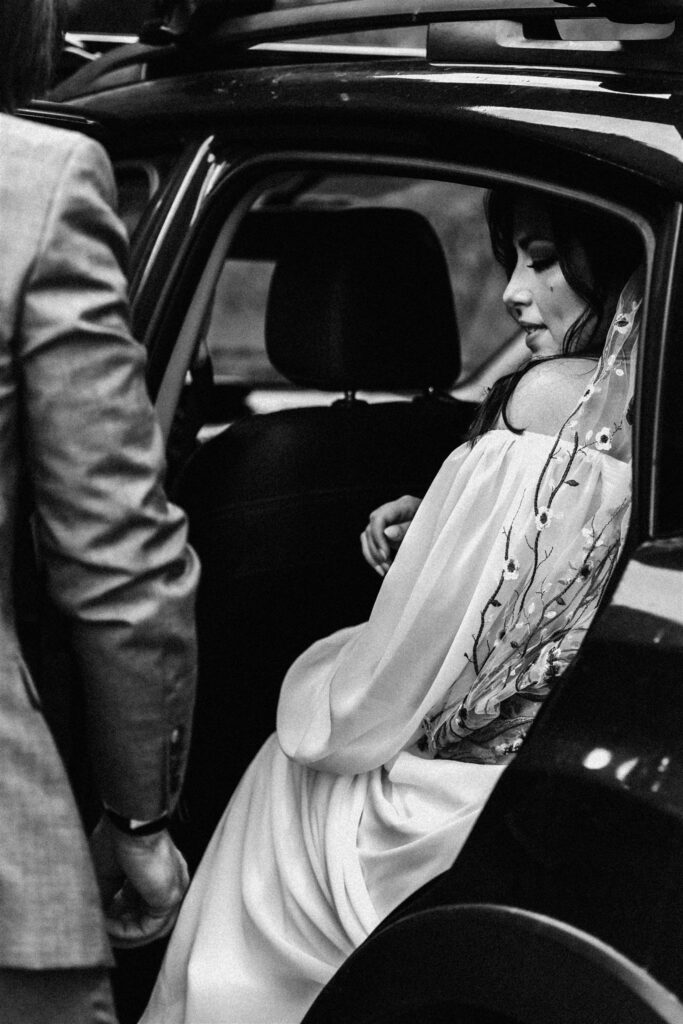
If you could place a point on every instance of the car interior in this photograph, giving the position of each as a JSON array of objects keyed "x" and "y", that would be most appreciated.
[
  {"x": 325, "y": 383},
  {"x": 338, "y": 353}
]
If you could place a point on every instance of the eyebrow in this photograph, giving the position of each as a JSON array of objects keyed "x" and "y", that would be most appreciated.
[{"x": 524, "y": 241}]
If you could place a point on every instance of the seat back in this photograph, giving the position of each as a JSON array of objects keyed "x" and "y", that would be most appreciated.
[{"x": 276, "y": 502}]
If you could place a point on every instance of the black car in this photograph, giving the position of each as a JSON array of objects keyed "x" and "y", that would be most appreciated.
[{"x": 346, "y": 147}]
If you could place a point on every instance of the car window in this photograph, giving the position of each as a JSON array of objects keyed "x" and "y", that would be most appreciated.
[
  {"x": 669, "y": 510},
  {"x": 456, "y": 212},
  {"x": 137, "y": 182}
]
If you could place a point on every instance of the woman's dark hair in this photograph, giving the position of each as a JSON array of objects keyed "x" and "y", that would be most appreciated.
[
  {"x": 30, "y": 36},
  {"x": 610, "y": 249}
]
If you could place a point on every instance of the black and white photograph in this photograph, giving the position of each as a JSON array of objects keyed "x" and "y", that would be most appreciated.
[{"x": 341, "y": 512}]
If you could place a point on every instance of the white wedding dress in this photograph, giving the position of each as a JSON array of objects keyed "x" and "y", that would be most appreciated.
[{"x": 392, "y": 734}]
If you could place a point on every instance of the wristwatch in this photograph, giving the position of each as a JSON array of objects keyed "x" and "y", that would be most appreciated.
[{"x": 133, "y": 827}]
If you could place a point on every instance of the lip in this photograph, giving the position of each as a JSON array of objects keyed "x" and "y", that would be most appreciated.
[{"x": 530, "y": 328}]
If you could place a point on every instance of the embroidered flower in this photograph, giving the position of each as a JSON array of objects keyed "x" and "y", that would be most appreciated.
[
  {"x": 544, "y": 668},
  {"x": 589, "y": 434},
  {"x": 544, "y": 517},
  {"x": 511, "y": 570},
  {"x": 611, "y": 360},
  {"x": 619, "y": 372},
  {"x": 622, "y": 323},
  {"x": 586, "y": 569},
  {"x": 550, "y": 614},
  {"x": 586, "y": 395},
  {"x": 603, "y": 439},
  {"x": 548, "y": 663}
]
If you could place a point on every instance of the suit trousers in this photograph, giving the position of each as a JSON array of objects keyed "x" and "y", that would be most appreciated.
[{"x": 76, "y": 996}]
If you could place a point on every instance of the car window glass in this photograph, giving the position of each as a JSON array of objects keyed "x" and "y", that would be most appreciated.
[
  {"x": 137, "y": 181},
  {"x": 669, "y": 511},
  {"x": 236, "y": 333}
]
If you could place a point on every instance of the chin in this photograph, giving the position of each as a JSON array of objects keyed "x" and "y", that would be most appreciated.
[{"x": 544, "y": 348}]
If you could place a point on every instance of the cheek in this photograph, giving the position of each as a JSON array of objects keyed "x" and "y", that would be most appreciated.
[{"x": 564, "y": 305}]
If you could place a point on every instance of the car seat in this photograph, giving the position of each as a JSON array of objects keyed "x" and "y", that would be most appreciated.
[{"x": 360, "y": 299}]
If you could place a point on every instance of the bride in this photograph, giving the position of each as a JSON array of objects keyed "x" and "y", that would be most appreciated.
[{"x": 392, "y": 734}]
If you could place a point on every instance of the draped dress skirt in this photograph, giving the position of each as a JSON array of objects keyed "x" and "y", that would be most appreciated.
[{"x": 346, "y": 810}]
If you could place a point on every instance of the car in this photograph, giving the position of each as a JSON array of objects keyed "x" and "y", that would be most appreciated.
[
  {"x": 94, "y": 28},
  {"x": 347, "y": 141}
]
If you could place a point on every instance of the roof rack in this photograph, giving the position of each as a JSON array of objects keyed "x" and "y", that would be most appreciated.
[
  {"x": 538, "y": 42},
  {"x": 252, "y": 21},
  {"x": 500, "y": 32}
]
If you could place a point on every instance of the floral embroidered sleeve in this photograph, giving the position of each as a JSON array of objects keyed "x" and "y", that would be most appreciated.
[
  {"x": 552, "y": 575},
  {"x": 492, "y": 591}
]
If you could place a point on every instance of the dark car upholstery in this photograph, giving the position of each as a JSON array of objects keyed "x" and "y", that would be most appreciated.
[{"x": 359, "y": 299}]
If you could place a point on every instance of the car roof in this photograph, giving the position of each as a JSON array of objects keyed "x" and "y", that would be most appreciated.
[{"x": 617, "y": 103}]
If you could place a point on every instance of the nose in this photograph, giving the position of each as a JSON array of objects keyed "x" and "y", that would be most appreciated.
[{"x": 517, "y": 293}]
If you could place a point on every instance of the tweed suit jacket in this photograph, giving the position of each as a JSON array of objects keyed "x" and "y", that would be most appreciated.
[{"x": 75, "y": 420}]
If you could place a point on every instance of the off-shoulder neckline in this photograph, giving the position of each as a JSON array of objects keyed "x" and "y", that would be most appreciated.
[{"x": 535, "y": 436}]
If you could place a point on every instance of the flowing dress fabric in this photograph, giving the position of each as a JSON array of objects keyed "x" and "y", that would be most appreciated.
[
  {"x": 341, "y": 815},
  {"x": 391, "y": 734}
]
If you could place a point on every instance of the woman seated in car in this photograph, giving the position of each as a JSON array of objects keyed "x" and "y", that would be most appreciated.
[{"x": 392, "y": 734}]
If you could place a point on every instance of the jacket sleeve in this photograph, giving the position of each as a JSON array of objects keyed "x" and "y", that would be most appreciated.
[{"x": 113, "y": 547}]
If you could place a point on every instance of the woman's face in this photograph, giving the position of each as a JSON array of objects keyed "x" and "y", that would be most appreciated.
[{"x": 538, "y": 295}]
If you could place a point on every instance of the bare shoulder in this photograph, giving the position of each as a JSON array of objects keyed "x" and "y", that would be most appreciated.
[{"x": 548, "y": 393}]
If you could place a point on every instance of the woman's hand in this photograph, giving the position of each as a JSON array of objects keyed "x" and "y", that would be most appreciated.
[{"x": 387, "y": 526}]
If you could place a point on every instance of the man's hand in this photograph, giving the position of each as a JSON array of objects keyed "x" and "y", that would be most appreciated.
[
  {"x": 142, "y": 882},
  {"x": 387, "y": 526}
]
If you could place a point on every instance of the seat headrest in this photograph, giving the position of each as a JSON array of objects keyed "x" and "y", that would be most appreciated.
[{"x": 361, "y": 299}]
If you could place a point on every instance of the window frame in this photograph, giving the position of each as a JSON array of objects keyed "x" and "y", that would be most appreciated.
[{"x": 234, "y": 174}]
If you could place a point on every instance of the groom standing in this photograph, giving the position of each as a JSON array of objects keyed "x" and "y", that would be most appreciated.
[{"x": 77, "y": 430}]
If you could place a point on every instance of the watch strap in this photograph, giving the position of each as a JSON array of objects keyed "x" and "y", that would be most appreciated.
[{"x": 132, "y": 827}]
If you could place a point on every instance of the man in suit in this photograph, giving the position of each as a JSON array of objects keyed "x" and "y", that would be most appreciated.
[{"x": 77, "y": 429}]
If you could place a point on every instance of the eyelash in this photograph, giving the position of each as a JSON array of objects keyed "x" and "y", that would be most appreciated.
[{"x": 542, "y": 264}]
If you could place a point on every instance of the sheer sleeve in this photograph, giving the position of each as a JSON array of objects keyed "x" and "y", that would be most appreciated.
[
  {"x": 463, "y": 612},
  {"x": 492, "y": 591}
]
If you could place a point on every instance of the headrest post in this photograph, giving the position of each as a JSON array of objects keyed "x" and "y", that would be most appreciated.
[{"x": 349, "y": 400}]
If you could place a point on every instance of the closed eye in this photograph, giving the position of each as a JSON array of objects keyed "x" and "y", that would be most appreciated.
[{"x": 539, "y": 265}]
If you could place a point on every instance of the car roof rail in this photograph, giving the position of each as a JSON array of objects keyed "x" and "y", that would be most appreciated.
[
  {"x": 199, "y": 26},
  {"x": 253, "y": 21},
  {"x": 543, "y": 42}
]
